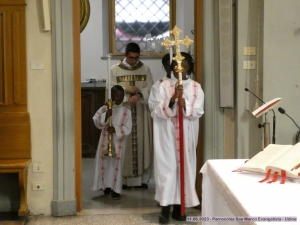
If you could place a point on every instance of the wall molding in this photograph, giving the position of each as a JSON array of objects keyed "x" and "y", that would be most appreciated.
[
  {"x": 226, "y": 54},
  {"x": 46, "y": 15},
  {"x": 213, "y": 123},
  {"x": 64, "y": 200}
]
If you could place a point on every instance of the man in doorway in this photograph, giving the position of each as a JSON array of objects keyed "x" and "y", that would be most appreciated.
[{"x": 136, "y": 79}]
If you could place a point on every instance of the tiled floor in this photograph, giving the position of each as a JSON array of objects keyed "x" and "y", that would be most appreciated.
[
  {"x": 131, "y": 199},
  {"x": 129, "y": 219},
  {"x": 136, "y": 206}
]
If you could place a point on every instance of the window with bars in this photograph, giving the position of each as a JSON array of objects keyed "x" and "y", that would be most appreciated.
[{"x": 146, "y": 22}]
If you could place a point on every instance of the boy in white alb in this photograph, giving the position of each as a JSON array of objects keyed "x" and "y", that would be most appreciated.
[
  {"x": 108, "y": 170},
  {"x": 166, "y": 156}
]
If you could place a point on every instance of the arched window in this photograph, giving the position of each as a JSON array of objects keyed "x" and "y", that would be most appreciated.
[{"x": 146, "y": 22}]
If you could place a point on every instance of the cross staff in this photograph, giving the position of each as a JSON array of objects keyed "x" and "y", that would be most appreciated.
[{"x": 178, "y": 58}]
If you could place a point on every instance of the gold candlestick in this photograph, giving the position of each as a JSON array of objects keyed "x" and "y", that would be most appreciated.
[{"x": 110, "y": 148}]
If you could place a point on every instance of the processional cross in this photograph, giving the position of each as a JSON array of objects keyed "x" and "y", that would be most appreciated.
[{"x": 178, "y": 58}]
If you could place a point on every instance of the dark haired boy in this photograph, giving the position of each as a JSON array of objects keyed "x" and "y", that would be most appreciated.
[{"x": 108, "y": 170}]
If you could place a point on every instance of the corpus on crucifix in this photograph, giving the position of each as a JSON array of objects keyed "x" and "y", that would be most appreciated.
[{"x": 179, "y": 105}]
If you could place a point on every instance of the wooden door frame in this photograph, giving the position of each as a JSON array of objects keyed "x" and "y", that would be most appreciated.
[
  {"x": 77, "y": 99},
  {"x": 198, "y": 58}
]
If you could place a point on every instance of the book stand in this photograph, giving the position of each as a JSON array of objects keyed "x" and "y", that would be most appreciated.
[{"x": 264, "y": 110}]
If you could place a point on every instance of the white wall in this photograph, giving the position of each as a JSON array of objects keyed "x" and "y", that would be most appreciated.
[
  {"x": 281, "y": 63},
  {"x": 39, "y": 86},
  {"x": 277, "y": 30},
  {"x": 91, "y": 45},
  {"x": 249, "y": 138},
  {"x": 278, "y": 75},
  {"x": 219, "y": 133}
]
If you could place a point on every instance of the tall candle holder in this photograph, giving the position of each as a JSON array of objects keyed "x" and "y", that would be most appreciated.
[{"x": 110, "y": 148}]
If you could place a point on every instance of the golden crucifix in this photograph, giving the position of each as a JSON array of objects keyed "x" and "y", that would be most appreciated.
[{"x": 178, "y": 58}]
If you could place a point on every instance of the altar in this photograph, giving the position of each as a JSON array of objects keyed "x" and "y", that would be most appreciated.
[{"x": 228, "y": 195}]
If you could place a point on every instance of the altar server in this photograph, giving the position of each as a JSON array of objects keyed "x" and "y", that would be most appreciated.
[
  {"x": 108, "y": 170},
  {"x": 166, "y": 156}
]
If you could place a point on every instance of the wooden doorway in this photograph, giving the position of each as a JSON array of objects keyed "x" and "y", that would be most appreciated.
[
  {"x": 198, "y": 24},
  {"x": 198, "y": 58},
  {"x": 77, "y": 94}
]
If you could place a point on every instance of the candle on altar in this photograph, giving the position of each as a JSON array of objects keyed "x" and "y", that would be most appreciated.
[{"x": 108, "y": 80}]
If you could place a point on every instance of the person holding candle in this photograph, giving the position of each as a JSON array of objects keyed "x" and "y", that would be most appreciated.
[
  {"x": 136, "y": 79},
  {"x": 166, "y": 155},
  {"x": 108, "y": 170}
]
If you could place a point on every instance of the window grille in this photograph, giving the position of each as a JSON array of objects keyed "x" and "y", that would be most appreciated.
[{"x": 146, "y": 22}]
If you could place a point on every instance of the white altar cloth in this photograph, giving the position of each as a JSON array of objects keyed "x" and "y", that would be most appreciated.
[{"x": 240, "y": 194}]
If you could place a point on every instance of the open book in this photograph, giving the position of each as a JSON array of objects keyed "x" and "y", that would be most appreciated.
[
  {"x": 276, "y": 159},
  {"x": 266, "y": 107}
]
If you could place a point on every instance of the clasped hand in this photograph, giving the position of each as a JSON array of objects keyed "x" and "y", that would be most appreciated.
[
  {"x": 132, "y": 90},
  {"x": 178, "y": 93},
  {"x": 110, "y": 129},
  {"x": 135, "y": 96},
  {"x": 108, "y": 113}
]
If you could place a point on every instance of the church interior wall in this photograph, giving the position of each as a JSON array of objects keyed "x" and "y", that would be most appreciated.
[
  {"x": 213, "y": 115},
  {"x": 260, "y": 24},
  {"x": 280, "y": 79},
  {"x": 248, "y": 137},
  {"x": 273, "y": 28},
  {"x": 39, "y": 88},
  {"x": 40, "y": 109},
  {"x": 229, "y": 132},
  {"x": 281, "y": 65}
]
